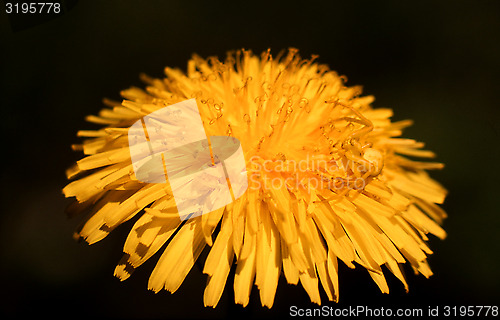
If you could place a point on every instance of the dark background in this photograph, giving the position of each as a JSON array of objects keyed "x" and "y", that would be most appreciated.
[{"x": 435, "y": 62}]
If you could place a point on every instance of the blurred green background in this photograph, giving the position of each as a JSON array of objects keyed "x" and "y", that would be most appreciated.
[{"x": 437, "y": 62}]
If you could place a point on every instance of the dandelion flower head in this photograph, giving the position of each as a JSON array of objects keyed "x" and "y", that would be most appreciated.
[{"x": 330, "y": 181}]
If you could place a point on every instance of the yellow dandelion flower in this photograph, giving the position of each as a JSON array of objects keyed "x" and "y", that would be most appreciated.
[{"x": 328, "y": 180}]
